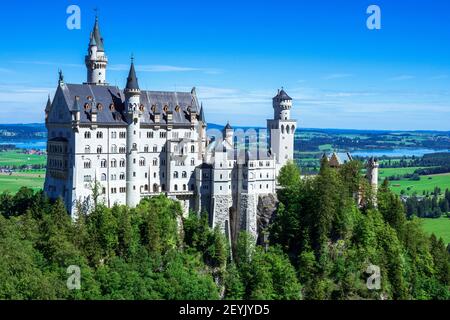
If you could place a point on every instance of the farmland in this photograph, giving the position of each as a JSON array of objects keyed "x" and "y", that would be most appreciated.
[
  {"x": 426, "y": 183},
  {"x": 12, "y": 183},
  {"x": 440, "y": 227},
  {"x": 23, "y": 173}
]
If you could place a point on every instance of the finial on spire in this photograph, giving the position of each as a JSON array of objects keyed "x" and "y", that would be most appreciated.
[
  {"x": 61, "y": 77},
  {"x": 132, "y": 57}
]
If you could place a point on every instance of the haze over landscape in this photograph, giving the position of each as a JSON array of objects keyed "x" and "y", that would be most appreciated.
[{"x": 339, "y": 73}]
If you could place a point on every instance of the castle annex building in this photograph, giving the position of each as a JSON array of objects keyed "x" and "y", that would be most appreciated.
[{"x": 134, "y": 143}]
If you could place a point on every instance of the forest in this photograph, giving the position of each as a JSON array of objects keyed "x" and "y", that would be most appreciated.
[{"x": 320, "y": 246}]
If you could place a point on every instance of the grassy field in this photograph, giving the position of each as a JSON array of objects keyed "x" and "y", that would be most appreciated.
[
  {"x": 12, "y": 183},
  {"x": 426, "y": 183},
  {"x": 29, "y": 178},
  {"x": 440, "y": 227},
  {"x": 15, "y": 157},
  {"x": 387, "y": 172}
]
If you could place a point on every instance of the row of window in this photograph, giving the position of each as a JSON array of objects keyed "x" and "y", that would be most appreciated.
[
  {"x": 57, "y": 148},
  {"x": 104, "y": 163},
  {"x": 183, "y": 187},
  {"x": 123, "y": 135},
  {"x": 57, "y": 164},
  {"x": 122, "y": 149}
]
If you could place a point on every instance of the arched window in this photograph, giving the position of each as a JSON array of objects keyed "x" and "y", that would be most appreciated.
[
  {"x": 192, "y": 161},
  {"x": 142, "y": 162},
  {"x": 155, "y": 148},
  {"x": 192, "y": 149},
  {"x": 113, "y": 148},
  {"x": 87, "y": 164},
  {"x": 134, "y": 146},
  {"x": 145, "y": 148},
  {"x": 155, "y": 187},
  {"x": 155, "y": 161},
  {"x": 87, "y": 135},
  {"x": 122, "y": 163},
  {"x": 103, "y": 178},
  {"x": 184, "y": 187},
  {"x": 175, "y": 174},
  {"x": 122, "y": 149},
  {"x": 103, "y": 163},
  {"x": 292, "y": 129},
  {"x": 282, "y": 128},
  {"x": 184, "y": 174},
  {"x": 87, "y": 149},
  {"x": 175, "y": 187},
  {"x": 288, "y": 129},
  {"x": 99, "y": 149},
  {"x": 113, "y": 163},
  {"x": 122, "y": 176},
  {"x": 99, "y": 135}
]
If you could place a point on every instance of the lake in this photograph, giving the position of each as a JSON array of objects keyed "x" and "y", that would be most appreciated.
[
  {"x": 40, "y": 144},
  {"x": 408, "y": 152}
]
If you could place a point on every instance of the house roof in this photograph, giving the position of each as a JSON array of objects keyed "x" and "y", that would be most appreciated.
[{"x": 110, "y": 104}]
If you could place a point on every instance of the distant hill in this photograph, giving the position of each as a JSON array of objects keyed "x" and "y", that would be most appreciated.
[{"x": 22, "y": 131}]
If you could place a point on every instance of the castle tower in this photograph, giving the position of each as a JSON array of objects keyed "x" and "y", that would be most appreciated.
[
  {"x": 96, "y": 59},
  {"x": 282, "y": 129},
  {"x": 372, "y": 173},
  {"x": 133, "y": 113},
  {"x": 228, "y": 134}
]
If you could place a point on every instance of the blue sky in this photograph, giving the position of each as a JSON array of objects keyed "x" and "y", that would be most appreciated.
[{"x": 237, "y": 53}]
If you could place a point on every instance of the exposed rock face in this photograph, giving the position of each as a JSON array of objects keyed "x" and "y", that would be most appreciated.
[
  {"x": 248, "y": 213},
  {"x": 267, "y": 205}
]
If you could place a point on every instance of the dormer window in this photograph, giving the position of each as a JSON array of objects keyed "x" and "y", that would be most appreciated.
[
  {"x": 87, "y": 106},
  {"x": 89, "y": 98},
  {"x": 166, "y": 108},
  {"x": 111, "y": 107},
  {"x": 141, "y": 108},
  {"x": 177, "y": 108},
  {"x": 99, "y": 107},
  {"x": 153, "y": 108}
]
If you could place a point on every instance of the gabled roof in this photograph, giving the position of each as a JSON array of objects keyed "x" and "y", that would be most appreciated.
[{"x": 109, "y": 102}]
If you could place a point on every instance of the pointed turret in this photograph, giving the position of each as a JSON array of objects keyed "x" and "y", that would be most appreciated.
[
  {"x": 132, "y": 81},
  {"x": 49, "y": 104},
  {"x": 202, "y": 115},
  {"x": 92, "y": 40},
  {"x": 96, "y": 60}
]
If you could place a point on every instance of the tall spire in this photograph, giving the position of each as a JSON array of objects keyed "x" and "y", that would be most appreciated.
[
  {"x": 202, "y": 115},
  {"x": 49, "y": 104},
  {"x": 97, "y": 36},
  {"x": 132, "y": 81}
]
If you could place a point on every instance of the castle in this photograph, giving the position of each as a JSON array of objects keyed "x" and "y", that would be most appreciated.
[{"x": 135, "y": 143}]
